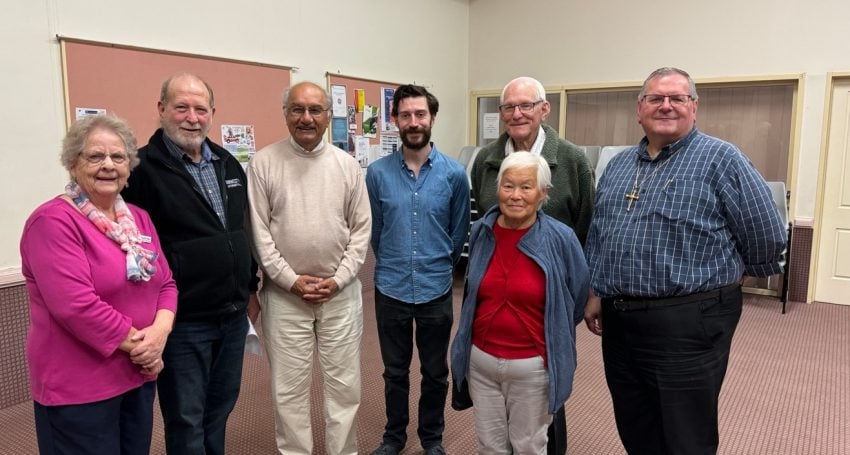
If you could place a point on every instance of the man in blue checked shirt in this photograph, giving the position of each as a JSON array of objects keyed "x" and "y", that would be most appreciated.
[
  {"x": 679, "y": 220},
  {"x": 420, "y": 221}
]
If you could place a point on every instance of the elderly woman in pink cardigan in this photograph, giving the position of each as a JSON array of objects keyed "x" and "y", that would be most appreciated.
[{"x": 102, "y": 301}]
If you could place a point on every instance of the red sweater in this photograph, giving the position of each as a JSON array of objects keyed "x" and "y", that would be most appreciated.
[{"x": 509, "y": 316}]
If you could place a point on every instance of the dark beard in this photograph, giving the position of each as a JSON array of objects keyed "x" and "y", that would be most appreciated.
[{"x": 426, "y": 139}]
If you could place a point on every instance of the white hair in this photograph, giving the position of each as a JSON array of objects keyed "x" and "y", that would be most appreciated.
[
  {"x": 538, "y": 87},
  {"x": 528, "y": 160}
]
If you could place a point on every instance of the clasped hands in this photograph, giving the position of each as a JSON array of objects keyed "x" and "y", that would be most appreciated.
[
  {"x": 145, "y": 348},
  {"x": 313, "y": 289}
]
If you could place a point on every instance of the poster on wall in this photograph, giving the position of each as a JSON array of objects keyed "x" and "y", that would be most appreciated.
[
  {"x": 339, "y": 132},
  {"x": 81, "y": 112},
  {"x": 352, "y": 119},
  {"x": 490, "y": 126},
  {"x": 239, "y": 141},
  {"x": 387, "y": 96},
  {"x": 361, "y": 150},
  {"x": 370, "y": 121},
  {"x": 338, "y": 97},
  {"x": 359, "y": 99},
  {"x": 389, "y": 144}
]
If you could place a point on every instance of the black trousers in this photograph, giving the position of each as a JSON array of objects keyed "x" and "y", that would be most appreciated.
[
  {"x": 433, "y": 326},
  {"x": 120, "y": 425},
  {"x": 664, "y": 367}
]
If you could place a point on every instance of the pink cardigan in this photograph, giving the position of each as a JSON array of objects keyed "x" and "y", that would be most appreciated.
[{"x": 82, "y": 305}]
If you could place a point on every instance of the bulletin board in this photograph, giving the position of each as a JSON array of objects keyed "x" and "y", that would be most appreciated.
[
  {"x": 126, "y": 81},
  {"x": 372, "y": 96}
]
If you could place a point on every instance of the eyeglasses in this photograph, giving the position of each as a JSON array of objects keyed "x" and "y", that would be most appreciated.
[
  {"x": 506, "y": 109},
  {"x": 675, "y": 100},
  {"x": 99, "y": 158},
  {"x": 298, "y": 111}
]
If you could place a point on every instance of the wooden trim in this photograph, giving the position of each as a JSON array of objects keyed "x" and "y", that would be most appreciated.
[
  {"x": 66, "y": 97},
  {"x": 831, "y": 79},
  {"x": 329, "y": 75},
  {"x": 167, "y": 52},
  {"x": 10, "y": 277}
]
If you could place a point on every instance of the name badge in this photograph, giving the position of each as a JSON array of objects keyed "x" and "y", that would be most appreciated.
[
  {"x": 144, "y": 238},
  {"x": 233, "y": 183}
]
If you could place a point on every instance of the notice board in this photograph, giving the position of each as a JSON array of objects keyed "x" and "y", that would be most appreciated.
[
  {"x": 372, "y": 95},
  {"x": 126, "y": 81}
]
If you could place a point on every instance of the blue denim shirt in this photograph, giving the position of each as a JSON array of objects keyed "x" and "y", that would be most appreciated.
[{"x": 419, "y": 225}]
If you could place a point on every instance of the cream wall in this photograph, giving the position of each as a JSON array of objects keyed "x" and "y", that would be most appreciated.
[
  {"x": 577, "y": 42},
  {"x": 394, "y": 40}
]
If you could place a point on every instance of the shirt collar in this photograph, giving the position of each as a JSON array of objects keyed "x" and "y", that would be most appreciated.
[
  {"x": 536, "y": 148},
  {"x": 319, "y": 147},
  {"x": 668, "y": 150},
  {"x": 428, "y": 162},
  {"x": 175, "y": 150}
]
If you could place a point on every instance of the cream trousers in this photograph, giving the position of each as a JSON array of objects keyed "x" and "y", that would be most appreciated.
[
  {"x": 511, "y": 402},
  {"x": 293, "y": 331}
]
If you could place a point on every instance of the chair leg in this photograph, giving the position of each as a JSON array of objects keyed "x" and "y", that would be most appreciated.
[{"x": 784, "y": 292}]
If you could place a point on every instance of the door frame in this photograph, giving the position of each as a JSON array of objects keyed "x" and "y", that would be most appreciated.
[{"x": 831, "y": 79}]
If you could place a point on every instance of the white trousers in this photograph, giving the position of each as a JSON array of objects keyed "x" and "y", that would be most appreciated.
[
  {"x": 511, "y": 403},
  {"x": 293, "y": 330}
]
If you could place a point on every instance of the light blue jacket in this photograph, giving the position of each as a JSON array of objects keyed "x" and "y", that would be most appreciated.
[{"x": 556, "y": 249}]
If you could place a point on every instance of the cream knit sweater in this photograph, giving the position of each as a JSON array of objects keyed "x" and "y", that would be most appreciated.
[{"x": 309, "y": 213}]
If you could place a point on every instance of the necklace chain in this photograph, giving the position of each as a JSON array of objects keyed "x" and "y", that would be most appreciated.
[{"x": 633, "y": 196}]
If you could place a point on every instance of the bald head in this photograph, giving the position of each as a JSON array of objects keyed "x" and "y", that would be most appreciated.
[
  {"x": 306, "y": 106},
  {"x": 165, "y": 93}
]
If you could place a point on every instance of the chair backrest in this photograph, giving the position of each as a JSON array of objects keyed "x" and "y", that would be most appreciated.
[
  {"x": 467, "y": 159},
  {"x": 592, "y": 154},
  {"x": 605, "y": 156},
  {"x": 780, "y": 198},
  {"x": 466, "y": 154}
]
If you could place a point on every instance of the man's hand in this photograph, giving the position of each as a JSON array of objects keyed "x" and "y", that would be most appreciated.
[
  {"x": 325, "y": 289},
  {"x": 593, "y": 313},
  {"x": 253, "y": 307},
  {"x": 313, "y": 289}
]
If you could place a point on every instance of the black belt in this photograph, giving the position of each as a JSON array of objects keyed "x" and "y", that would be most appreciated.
[{"x": 629, "y": 303}]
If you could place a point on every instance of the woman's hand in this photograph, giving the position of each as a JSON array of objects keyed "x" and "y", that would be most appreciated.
[
  {"x": 150, "y": 341},
  {"x": 153, "y": 368}
]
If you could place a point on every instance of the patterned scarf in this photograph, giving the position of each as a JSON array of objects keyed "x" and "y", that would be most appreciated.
[{"x": 124, "y": 232}]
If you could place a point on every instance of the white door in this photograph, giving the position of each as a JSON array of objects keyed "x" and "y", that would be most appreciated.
[{"x": 832, "y": 281}]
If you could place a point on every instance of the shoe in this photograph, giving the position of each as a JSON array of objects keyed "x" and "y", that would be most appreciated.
[
  {"x": 385, "y": 449},
  {"x": 435, "y": 450}
]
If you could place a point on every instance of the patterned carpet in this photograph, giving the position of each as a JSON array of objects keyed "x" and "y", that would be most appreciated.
[{"x": 787, "y": 392}]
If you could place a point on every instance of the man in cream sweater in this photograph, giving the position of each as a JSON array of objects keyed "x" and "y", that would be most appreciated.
[{"x": 310, "y": 221}]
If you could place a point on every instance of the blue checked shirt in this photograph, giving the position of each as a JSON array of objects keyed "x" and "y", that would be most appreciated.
[
  {"x": 419, "y": 225},
  {"x": 702, "y": 221},
  {"x": 203, "y": 173}
]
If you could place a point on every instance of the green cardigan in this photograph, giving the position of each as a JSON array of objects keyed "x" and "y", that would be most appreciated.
[{"x": 571, "y": 196}]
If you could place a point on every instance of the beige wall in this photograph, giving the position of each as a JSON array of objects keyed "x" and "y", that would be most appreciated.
[
  {"x": 581, "y": 42},
  {"x": 452, "y": 46},
  {"x": 394, "y": 40}
]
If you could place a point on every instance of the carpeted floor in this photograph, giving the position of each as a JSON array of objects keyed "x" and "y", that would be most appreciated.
[{"x": 787, "y": 392}]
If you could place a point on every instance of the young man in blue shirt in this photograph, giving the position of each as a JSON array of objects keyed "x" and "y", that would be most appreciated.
[{"x": 420, "y": 222}]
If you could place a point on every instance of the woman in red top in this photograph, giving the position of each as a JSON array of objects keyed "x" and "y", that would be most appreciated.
[{"x": 527, "y": 285}]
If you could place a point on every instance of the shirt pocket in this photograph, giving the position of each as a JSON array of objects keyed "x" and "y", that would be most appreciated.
[{"x": 685, "y": 200}]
